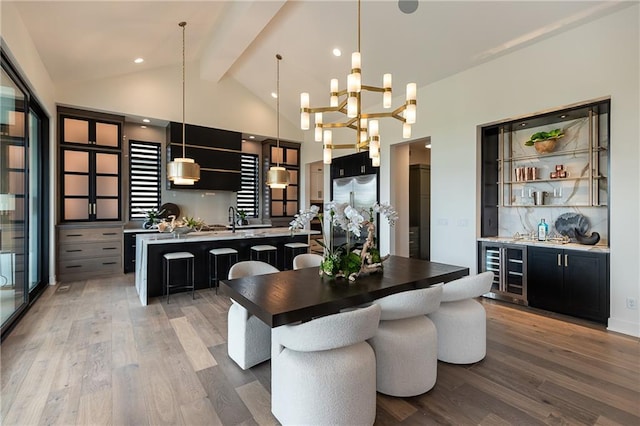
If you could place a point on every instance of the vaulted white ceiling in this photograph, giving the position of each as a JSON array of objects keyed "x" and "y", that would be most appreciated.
[{"x": 86, "y": 40}]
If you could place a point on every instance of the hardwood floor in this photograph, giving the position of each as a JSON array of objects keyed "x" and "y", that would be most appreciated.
[{"x": 89, "y": 353}]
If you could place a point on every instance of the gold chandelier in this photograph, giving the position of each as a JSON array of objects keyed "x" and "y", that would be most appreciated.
[
  {"x": 183, "y": 171},
  {"x": 349, "y": 102}
]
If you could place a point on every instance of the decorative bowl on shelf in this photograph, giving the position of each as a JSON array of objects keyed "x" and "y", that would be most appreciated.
[
  {"x": 182, "y": 230},
  {"x": 545, "y": 142}
]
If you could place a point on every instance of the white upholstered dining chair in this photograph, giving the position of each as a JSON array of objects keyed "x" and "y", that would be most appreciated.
[
  {"x": 306, "y": 260},
  {"x": 249, "y": 339},
  {"x": 406, "y": 343},
  {"x": 462, "y": 321},
  {"x": 323, "y": 372}
]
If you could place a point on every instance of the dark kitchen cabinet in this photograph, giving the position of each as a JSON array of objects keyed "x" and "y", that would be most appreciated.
[
  {"x": 130, "y": 250},
  {"x": 352, "y": 165},
  {"x": 90, "y": 166},
  {"x": 571, "y": 282},
  {"x": 218, "y": 152}
]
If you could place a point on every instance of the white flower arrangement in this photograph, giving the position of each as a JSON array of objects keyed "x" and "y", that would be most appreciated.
[{"x": 341, "y": 261}]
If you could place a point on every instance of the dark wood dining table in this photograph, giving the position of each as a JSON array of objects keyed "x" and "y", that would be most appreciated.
[{"x": 300, "y": 295}]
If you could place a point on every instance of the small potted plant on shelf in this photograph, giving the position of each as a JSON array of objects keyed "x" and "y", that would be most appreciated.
[
  {"x": 152, "y": 218},
  {"x": 545, "y": 142},
  {"x": 194, "y": 224},
  {"x": 242, "y": 217}
]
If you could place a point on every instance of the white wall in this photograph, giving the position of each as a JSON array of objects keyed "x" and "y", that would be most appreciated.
[{"x": 598, "y": 59}]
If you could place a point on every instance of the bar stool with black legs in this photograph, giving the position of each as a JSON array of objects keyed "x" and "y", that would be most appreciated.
[
  {"x": 215, "y": 255},
  {"x": 264, "y": 253},
  {"x": 291, "y": 250},
  {"x": 189, "y": 283}
]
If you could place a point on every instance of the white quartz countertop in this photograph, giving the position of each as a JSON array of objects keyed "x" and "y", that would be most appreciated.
[
  {"x": 601, "y": 248},
  {"x": 257, "y": 225},
  {"x": 138, "y": 230},
  {"x": 169, "y": 238}
]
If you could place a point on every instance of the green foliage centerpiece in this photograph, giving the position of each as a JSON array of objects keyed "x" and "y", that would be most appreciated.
[{"x": 344, "y": 260}]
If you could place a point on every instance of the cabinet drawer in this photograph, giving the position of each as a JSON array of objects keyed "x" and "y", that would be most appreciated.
[
  {"x": 98, "y": 250},
  {"x": 105, "y": 265},
  {"x": 89, "y": 234}
]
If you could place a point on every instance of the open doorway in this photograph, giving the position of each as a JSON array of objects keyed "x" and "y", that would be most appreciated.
[
  {"x": 411, "y": 194},
  {"x": 420, "y": 199}
]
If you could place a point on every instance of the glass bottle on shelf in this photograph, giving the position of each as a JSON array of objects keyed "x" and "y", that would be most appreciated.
[{"x": 543, "y": 230}]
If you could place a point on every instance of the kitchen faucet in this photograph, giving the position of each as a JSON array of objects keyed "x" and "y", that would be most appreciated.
[{"x": 232, "y": 218}]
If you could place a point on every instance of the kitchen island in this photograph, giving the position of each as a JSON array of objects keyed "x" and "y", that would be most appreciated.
[{"x": 150, "y": 249}]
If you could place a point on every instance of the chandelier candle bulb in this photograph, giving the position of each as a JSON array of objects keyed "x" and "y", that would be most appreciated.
[
  {"x": 326, "y": 155},
  {"x": 333, "y": 100},
  {"x": 406, "y": 130},
  {"x": 318, "y": 132},
  {"x": 304, "y": 111},
  {"x": 386, "y": 81},
  {"x": 374, "y": 147},
  {"x": 386, "y": 97},
  {"x": 373, "y": 128},
  {"x": 328, "y": 137},
  {"x": 375, "y": 162},
  {"x": 351, "y": 84},
  {"x": 411, "y": 92},
  {"x": 352, "y": 107}
]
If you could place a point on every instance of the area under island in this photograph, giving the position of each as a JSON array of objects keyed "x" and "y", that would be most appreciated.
[{"x": 150, "y": 249}]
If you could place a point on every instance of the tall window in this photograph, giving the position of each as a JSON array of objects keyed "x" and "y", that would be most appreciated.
[
  {"x": 145, "y": 175},
  {"x": 24, "y": 205},
  {"x": 248, "y": 195}
]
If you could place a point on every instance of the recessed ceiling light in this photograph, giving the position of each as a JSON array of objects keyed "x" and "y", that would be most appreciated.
[
  {"x": 146, "y": 120},
  {"x": 138, "y": 60},
  {"x": 563, "y": 116},
  {"x": 143, "y": 127},
  {"x": 337, "y": 52},
  {"x": 252, "y": 137},
  {"x": 523, "y": 124},
  {"x": 428, "y": 146},
  {"x": 274, "y": 95}
]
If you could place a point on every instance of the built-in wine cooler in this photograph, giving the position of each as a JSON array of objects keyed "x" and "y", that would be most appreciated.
[{"x": 508, "y": 262}]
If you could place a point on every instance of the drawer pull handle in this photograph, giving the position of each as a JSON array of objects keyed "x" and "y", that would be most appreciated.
[
  {"x": 74, "y": 266},
  {"x": 559, "y": 259},
  {"x": 108, "y": 263},
  {"x": 566, "y": 260},
  {"x": 73, "y": 251},
  {"x": 74, "y": 235},
  {"x": 108, "y": 233},
  {"x": 109, "y": 248}
]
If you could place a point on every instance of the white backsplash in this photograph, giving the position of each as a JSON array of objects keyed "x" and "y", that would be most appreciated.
[{"x": 524, "y": 220}]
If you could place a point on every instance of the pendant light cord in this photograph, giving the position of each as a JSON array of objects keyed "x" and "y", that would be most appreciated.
[
  {"x": 278, "y": 59},
  {"x": 183, "y": 25}
]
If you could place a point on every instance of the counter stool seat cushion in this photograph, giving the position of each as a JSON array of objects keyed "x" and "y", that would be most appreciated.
[
  {"x": 461, "y": 321},
  {"x": 263, "y": 247},
  {"x": 223, "y": 251},
  {"x": 178, "y": 255},
  {"x": 323, "y": 371},
  {"x": 406, "y": 343},
  {"x": 297, "y": 245},
  {"x": 249, "y": 339}
]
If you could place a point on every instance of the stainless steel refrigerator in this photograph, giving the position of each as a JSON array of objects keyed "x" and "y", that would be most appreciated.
[{"x": 359, "y": 192}]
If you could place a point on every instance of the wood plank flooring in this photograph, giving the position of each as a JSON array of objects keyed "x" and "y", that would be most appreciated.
[{"x": 87, "y": 353}]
